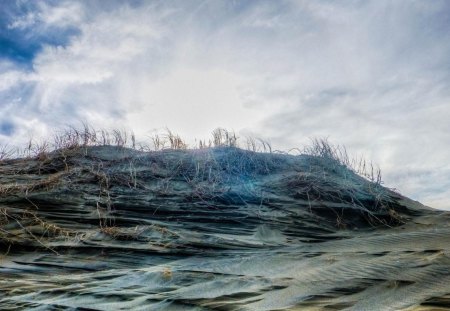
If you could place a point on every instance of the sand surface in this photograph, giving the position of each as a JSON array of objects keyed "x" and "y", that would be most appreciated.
[{"x": 109, "y": 228}]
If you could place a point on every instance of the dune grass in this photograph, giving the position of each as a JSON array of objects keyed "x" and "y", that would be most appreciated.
[
  {"x": 74, "y": 139},
  {"x": 100, "y": 164}
]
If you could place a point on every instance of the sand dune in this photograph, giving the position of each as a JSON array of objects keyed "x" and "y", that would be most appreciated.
[{"x": 111, "y": 228}]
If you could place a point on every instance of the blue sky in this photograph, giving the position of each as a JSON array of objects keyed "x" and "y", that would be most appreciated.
[{"x": 371, "y": 75}]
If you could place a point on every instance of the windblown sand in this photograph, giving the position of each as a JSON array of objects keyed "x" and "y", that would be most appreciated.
[{"x": 110, "y": 228}]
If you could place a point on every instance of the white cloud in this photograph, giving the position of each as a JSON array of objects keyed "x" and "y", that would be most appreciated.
[
  {"x": 9, "y": 77},
  {"x": 23, "y": 21},
  {"x": 44, "y": 15},
  {"x": 372, "y": 75}
]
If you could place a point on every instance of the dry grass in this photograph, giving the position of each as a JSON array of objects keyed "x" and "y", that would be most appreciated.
[
  {"x": 74, "y": 139},
  {"x": 45, "y": 184}
]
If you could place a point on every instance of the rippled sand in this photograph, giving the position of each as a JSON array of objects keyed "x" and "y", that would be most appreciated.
[{"x": 108, "y": 228}]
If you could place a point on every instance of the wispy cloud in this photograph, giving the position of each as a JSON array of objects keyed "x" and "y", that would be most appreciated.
[
  {"x": 373, "y": 75},
  {"x": 44, "y": 15}
]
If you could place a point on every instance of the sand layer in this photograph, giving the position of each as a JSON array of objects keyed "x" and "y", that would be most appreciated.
[{"x": 109, "y": 228}]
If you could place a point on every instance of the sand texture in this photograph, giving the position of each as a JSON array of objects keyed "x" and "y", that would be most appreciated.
[{"x": 111, "y": 228}]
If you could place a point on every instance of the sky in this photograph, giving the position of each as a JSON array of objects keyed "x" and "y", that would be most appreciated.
[{"x": 373, "y": 76}]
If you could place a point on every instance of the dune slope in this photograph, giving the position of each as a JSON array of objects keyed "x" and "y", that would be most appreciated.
[{"x": 110, "y": 228}]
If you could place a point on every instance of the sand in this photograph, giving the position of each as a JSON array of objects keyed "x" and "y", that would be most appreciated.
[{"x": 111, "y": 228}]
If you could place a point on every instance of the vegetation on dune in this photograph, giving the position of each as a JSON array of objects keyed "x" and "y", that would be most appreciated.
[
  {"x": 138, "y": 226},
  {"x": 100, "y": 168}
]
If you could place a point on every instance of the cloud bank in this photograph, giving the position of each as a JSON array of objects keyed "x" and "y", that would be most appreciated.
[{"x": 371, "y": 75}]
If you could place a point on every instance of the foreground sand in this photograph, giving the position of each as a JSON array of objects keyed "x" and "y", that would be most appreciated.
[{"x": 110, "y": 228}]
